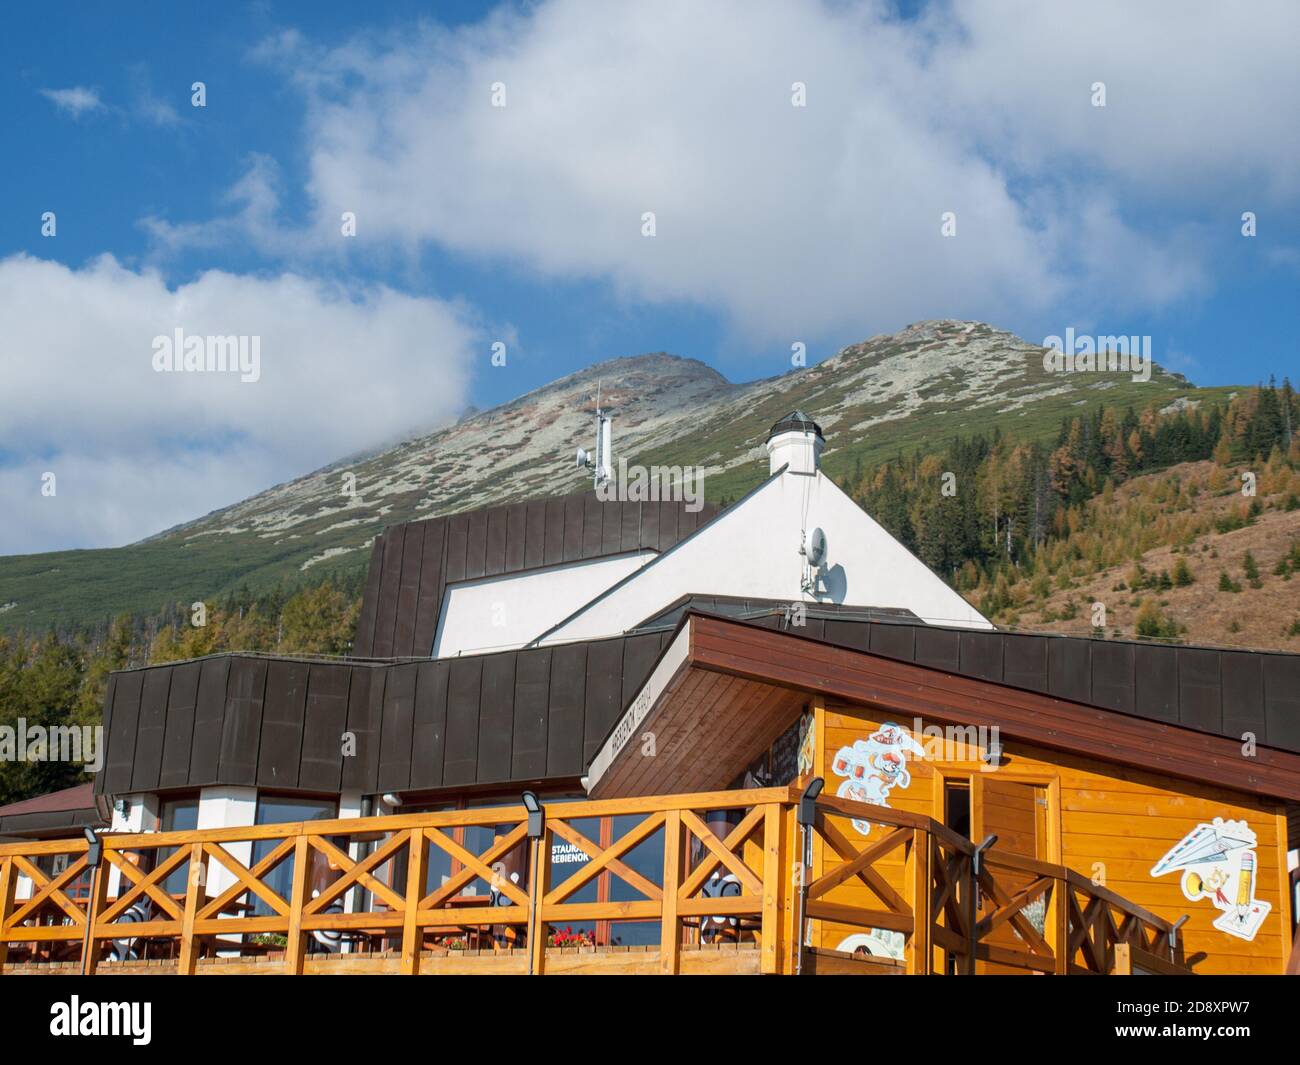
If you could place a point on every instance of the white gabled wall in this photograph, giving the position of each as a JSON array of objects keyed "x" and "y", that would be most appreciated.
[
  {"x": 751, "y": 550},
  {"x": 497, "y": 613}
]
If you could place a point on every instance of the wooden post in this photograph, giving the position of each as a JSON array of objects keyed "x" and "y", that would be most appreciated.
[
  {"x": 534, "y": 899},
  {"x": 537, "y": 926},
  {"x": 195, "y": 890},
  {"x": 819, "y": 863},
  {"x": 970, "y": 894},
  {"x": 417, "y": 862},
  {"x": 1058, "y": 925},
  {"x": 773, "y": 884},
  {"x": 791, "y": 934},
  {"x": 670, "y": 932},
  {"x": 94, "y": 907},
  {"x": 919, "y": 960},
  {"x": 296, "y": 947},
  {"x": 8, "y": 880}
]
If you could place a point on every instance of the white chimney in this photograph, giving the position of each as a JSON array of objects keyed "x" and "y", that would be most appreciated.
[{"x": 795, "y": 441}]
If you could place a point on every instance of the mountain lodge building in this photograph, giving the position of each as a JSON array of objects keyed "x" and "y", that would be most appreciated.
[{"x": 760, "y": 738}]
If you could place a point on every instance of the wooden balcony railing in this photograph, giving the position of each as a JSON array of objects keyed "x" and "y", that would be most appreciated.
[{"x": 713, "y": 882}]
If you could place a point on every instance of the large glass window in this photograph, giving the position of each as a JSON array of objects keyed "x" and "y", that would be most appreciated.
[
  {"x": 479, "y": 838},
  {"x": 55, "y": 865},
  {"x": 568, "y": 860},
  {"x": 178, "y": 815},
  {"x": 440, "y": 866},
  {"x": 277, "y": 810},
  {"x": 646, "y": 858}
]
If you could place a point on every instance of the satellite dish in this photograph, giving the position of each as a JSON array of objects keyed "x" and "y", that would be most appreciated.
[
  {"x": 584, "y": 459},
  {"x": 814, "y": 547}
]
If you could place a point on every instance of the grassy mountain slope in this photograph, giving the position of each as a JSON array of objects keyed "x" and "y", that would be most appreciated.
[
  {"x": 888, "y": 395},
  {"x": 1186, "y": 506}
]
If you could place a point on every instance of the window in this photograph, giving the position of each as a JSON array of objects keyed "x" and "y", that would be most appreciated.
[
  {"x": 568, "y": 860},
  {"x": 646, "y": 858},
  {"x": 178, "y": 815},
  {"x": 439, "y": 861},
  {"x": 278, "y": 810},
  {"x": 55, "y": 865}
]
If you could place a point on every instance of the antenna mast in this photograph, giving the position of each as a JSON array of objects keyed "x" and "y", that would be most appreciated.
[{"x": 600, "y": 461}]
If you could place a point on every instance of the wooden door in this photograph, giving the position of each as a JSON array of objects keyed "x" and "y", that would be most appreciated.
[{"x": 1016, "y": 811}]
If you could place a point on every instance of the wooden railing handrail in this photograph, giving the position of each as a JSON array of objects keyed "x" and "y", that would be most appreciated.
[
  {"x": 935, "y": 908},
  {"x": 1021, "y": 864},
  {"x": 482, "y": 815},
  {"x": 993, "y": 858},
  {"x": 1082, "y": 883},
  {"x": 880, "y": 815}
]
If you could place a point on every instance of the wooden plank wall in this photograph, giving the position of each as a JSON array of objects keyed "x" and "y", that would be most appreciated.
[{"x": 1106, "y": 820}]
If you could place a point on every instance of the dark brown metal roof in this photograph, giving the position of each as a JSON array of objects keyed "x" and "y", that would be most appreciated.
[
  {"x": 542, "y": 713},
  {"x": 726, "y": 671},
  {"x": 1229, "y": 693},
  {"x": 76, "y": 798},
  {"x": 412, "y": 564},
  {"x": 279, "y": 723},
  {"x": 56, "y": 813}
]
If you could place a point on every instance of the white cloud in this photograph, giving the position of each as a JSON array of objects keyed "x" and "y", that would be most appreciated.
[
  {"x": 1201, "y": 96},
  {"x": 135, "y": 451},
  {"x": 253, "y": 218},
  {"x": 156, "y": 111},
  {"x": 806, "y": 222},
  {"x": 146, "y": 104},
  {"x": 76, "y": 101}
]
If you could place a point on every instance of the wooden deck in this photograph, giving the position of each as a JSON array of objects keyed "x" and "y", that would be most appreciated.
[
  {"x": 703, "y": 960},
  {"x": 714, "y": 898}
]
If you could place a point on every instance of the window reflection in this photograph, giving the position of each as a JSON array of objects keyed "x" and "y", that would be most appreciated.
[
  {"x": 178, "y": 815},
  {"x": 646, "y": 858},
  {"x": 276, "y": 810}
]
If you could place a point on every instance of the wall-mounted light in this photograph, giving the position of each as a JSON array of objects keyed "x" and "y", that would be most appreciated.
[
  {"x": 808, "y": 801},
  {"x": 1173, "y": 935},
  {"x": 536, "y": 816},
  {"x": 95, "y": 854}
]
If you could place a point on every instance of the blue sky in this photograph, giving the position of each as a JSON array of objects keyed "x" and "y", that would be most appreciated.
[{"x": 775, "y": 223}]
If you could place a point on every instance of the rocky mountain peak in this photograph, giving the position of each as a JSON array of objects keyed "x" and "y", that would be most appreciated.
[{"x": 933, "y": 376}]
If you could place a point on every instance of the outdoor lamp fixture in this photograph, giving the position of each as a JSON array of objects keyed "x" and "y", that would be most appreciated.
[
  {"x": 536, "y": 818},
  {"x": 806, "y": 815},
  {"x": 94, "y": 855},
  {"x": 536, "y": 869},
  {"x": 96, "y": 852},
  {"x": 1173, "y": 935},
  {"x": 808, "y": 801},
  {"x": 977, "y": 858}
]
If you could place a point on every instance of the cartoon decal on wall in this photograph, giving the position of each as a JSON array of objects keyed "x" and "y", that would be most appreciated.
[
  {"x": 878, "y": 943},
  {"x": 1218, "y": 863},
  {"x": 807, "y": 743},
  {"x": 873, "y": 767}
]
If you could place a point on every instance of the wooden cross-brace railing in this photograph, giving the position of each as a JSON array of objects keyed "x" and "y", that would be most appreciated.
[{"x": 717, "y": 868}]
